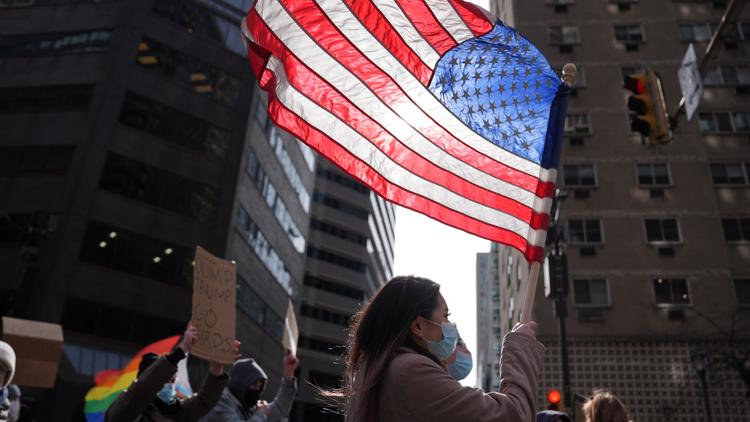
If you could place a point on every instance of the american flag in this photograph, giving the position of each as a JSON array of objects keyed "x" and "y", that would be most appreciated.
[{"x": 435, "y": 105}]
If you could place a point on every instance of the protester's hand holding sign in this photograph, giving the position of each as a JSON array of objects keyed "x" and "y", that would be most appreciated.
[{"x": 290, "y": 365}]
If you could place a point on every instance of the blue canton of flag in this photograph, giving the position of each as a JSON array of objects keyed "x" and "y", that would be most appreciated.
[{"x": 501, "y": 86}]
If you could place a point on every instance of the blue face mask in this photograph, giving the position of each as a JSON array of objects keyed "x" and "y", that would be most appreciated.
[
  {"x": 444, "y": 348},
  {"x": 461, "y": 367},
  {"x": 167, "y": 394}
]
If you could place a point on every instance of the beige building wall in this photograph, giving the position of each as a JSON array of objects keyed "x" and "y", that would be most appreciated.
[{"x": 628, "y": 341}]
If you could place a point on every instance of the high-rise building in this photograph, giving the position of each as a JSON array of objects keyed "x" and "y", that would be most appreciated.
[
  {"x": 656, "y": 235},
  {"x": 489, "y": 330},
  {"x": 349, "y": 256},
  {"x": 132, "y": 131}
]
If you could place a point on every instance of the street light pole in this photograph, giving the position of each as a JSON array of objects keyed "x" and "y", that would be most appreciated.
[{"x": 700, "y": 363}]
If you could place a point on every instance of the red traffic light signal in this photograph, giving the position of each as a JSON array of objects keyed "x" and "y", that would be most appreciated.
[
  {"x": 649, "y": 107},
  {"x": 554, "y": 397}
]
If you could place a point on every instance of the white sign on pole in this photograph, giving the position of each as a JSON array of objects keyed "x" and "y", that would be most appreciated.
[{"x": 691, "y": 82}]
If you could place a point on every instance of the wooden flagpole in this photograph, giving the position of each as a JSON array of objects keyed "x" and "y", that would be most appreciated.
[{"x": 569, "y": 78}]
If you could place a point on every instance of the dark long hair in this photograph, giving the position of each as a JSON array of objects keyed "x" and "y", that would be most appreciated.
[{"x": 378, "y": 330}]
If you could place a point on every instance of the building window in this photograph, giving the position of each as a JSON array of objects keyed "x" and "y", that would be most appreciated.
[
  {"x": 339, "y": 205},
  {"x": 206, "y": 21},
  {"x": 629, "y": 33},
  {"x": 742, "y": 290},
  {"x": 729, "y": 173},
  {"x": 18, "y": 161},
  {"x": 579, "y": 175},
  {"x": 42, "y": 99},
  {"x": 136, "y": 254},
  {"x": 727, "y": 75},
  {"x": 325, "y": 315},
  {"x": 653, "y": 174},
  {"x": 255, "y": 171},
  {"x": 342, "y": 180},
  {"x": 662, "y": 230},
  {"x": 333, "y": 287},
  {"x": 563, "y": 35},
  {"x": 736, "y": 229},
  {"x": 188, "y": 71},
  {"x": 174, "y": 126},
  {"x": 258, "y": 310},
  {"x": 703, "y": 31},
  {"x": 585, "y": 231},
  {"x": 133, "y": 179},
  {"x": 577, "y": 124},
  {"x": 274, "y": 136},
  {"x": 724, "y": 122},
  {"x": 338, "y": 231},
  {"x": 671, "y": 291},
  {"x": 592, "y": 292},
  {"x": 50, "y": 44},
  {"x": 262, "y": 248},
  {"x": 336, "y": 259},
  {"x": 320, "y": 345}
]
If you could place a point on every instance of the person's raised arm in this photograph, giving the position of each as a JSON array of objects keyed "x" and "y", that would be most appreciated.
[
  {"x": 201, "y": 403},
  {"x": 281, "y": 405},
  {"x": 133, "y": 401}
]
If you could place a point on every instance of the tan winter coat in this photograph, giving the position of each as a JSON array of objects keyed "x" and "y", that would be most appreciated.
[{"x": 418, "y": 389}]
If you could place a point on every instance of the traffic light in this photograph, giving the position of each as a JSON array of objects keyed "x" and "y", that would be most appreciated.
[
  {"x": 554, "y": 398},
  {"x": 649, "y": 104},
  {"x": 555, "y": 275}
]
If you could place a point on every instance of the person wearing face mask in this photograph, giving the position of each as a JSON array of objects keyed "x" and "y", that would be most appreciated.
[
  {"x": 14, "y": 395},
  {"x": 239, "y": 401},
  {"x": 395, "y": 371},
  {"x": 153, "y": 398},
  {"x": 459, "y": 364},
  {"x": 7, "y": 369}
]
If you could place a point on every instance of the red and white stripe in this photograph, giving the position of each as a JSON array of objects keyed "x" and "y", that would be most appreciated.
[{"x": 348, "y": 77}]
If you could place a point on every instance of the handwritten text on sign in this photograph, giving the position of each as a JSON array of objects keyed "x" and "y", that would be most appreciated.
[{"x": 214, "y": 290}]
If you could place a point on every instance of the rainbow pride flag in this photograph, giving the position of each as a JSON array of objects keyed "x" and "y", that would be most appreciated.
[{"x": 109, "y": 384}]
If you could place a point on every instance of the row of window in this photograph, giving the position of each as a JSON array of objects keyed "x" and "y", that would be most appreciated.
[
  {"x": 325, "y": 315},
  {"x": 187, "y": 71},
  {"x": 262, "y": 248},
  {"x": 709, "y": 122},
  {"x": 48, "y": 44},
  {"x": 133, "y": 253},
  {"x": 634, "y": 34},
  {"x": 339, "y": 205},
  {"x": 211, "y": 21},
  {"x": 336, "y": 259},
  {"x": 117, "y": 323},
  {"x": 319, "y": 345},
  {"x": 342, "y": 180},
  {"x": 654, "y": 175},
  {"x": 35, "y": 161},
  {"x": 49, "y": 98},
  {"x": 174, "y": 126},
  {"x": 274, "y": 135},
  {"x": 338, "y": 231},
  {"x": 133, "y": 179},
  {"x": 255, "y": 171},
  {"x": 590, "y": 231},
  {"x": 334, "y": 287},
  {"x": 594, "y": 292},
  {"x": 258, "y": 310}
]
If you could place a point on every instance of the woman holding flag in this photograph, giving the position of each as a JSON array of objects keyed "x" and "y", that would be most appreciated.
[{"x": 394, "y": 369}]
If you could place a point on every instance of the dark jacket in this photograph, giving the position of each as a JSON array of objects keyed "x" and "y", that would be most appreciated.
[
  {"x": 139, "y": 402},
  {"x": 552, "y": 416}
]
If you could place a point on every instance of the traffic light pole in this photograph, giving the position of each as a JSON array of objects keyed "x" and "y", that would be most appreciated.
[
  {"x": 730, "y": 16},
  {"x": 562, "y": 311}
]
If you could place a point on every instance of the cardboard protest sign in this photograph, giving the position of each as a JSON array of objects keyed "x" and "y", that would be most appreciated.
[
  {"x": 214, "y": 299},
  {"x": 291, "y": 331},
  {"x": 38, "y": 347}
]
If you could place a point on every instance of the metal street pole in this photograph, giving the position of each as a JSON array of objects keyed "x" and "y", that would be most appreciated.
[
  {"x": 730, "y": 16},
  {"x": 706, "y": 400}
]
